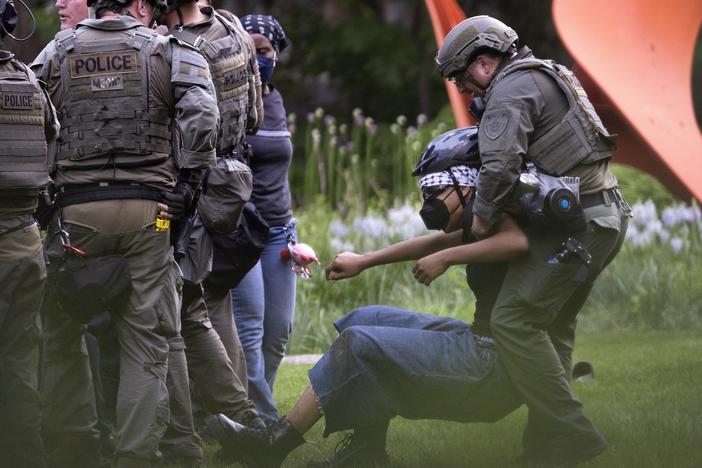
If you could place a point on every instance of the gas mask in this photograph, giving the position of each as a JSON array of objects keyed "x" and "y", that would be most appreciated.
[{"x": 549, "y": 201}]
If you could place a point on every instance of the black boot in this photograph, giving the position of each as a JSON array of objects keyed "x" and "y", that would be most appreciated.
[
  {"x": 255, "y": 447},
  {"x": 364, "y": 447}
]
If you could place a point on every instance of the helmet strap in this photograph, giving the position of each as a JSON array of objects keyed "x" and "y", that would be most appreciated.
[
  {"x": 467, "y": 217},
  {"x": 456, "y": 186}
]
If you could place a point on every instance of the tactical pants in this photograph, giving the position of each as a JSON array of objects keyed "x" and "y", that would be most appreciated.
[
  {"x": 22, "y": 282},
  {"x": 534, "y": 323},
  {"x": 69, "y": 413},
  {"x": 218, "y": 386},
  {"x": 180, "y": 444},
  {"x": 151, "y": 315},
  {"x": 219, "y": 308}
]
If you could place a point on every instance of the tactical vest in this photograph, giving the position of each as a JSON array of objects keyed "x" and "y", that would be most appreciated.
[
  {"x": 580, "y": 137},
  {"x": 229, "y": 67},
  {"x": 23, "y": 162},
  {"x": 104, "y": 107}
]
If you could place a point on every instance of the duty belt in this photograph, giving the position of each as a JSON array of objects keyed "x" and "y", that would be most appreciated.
[
  {"x": 605, "y": 197},
  {"x": 21, "y": 225},
  {"x": 74, "y": 194}
]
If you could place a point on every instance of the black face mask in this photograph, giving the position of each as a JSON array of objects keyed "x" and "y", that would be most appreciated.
[{"x": 435, "y": 214}]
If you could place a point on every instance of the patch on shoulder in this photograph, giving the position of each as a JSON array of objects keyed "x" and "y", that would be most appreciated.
[{"x": 495, "y": 123}]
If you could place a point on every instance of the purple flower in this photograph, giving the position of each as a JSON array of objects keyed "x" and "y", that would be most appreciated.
[{"x": 676, "y": 244}]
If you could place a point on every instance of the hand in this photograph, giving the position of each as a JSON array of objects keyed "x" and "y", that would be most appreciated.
[
  {"x": 480, "y": 228},
  {"x": 179, "y": 200},
  {"x": 429, "y": 268},
  {"x": 163, "y": 211},
  {"x": 345, "y": 265}
]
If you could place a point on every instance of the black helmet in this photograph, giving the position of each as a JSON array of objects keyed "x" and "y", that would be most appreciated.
[
  {"x": 8, "y": 18},
  {"x": 453, "y": 148},
  {"x": 163, "y": 7},
  {"x": 468, "y": 37}
]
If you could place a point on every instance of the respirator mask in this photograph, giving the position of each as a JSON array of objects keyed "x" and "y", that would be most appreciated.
[{"x": 548, "y": 201}]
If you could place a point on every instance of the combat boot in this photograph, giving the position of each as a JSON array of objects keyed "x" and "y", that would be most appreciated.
[
  {"x": 255, "y": 447},
  {"x": 365, "y": 447}
]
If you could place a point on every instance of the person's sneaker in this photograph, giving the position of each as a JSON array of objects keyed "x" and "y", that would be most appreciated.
[
  {"x": 354, "y": 451},
  {"x": 255, "y": 447}
]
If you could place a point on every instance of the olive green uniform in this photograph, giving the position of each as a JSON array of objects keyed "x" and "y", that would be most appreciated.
[
  {"x": 135, "y": 108},
  {"x": 535, "y": 115},
  {"x": 215, "y": 362},
  {"x": 27, "y": 123}
]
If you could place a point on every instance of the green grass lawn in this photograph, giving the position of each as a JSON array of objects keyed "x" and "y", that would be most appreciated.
[{"x": 646, "y": 399}]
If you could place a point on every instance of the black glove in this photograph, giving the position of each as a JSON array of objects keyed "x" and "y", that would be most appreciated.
[{"x": 179, "y": 200}]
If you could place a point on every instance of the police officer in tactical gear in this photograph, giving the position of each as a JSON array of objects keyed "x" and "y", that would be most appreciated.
[
  {"x": 27, "y": 123},
  {"x": 537, "y": 112},
  {"x": 139, "y": 124},
  {"x": 215, "y": 363}
]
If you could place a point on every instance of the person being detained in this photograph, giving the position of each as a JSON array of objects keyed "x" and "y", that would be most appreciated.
[{"x": 388, "y": 361}]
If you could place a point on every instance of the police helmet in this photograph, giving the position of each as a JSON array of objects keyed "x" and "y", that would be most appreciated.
[
  {"x": 453, "y": 148},
  {"x": 8, "y": 18},
  {"x": 166, "y": 6},
  {"x": 111, "y": 4},
  {"x": 467, "y": 37}
]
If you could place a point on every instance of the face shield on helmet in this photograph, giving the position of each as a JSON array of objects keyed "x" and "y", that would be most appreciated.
[{"x": 469, "y": 36}]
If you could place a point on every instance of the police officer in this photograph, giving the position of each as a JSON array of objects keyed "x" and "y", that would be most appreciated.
[
  {"x": 215, "y": 360},
  {"x": 537, "y": 112},
  {"x": 27, "y": 123},
  {"x": 139, "y": 125}
]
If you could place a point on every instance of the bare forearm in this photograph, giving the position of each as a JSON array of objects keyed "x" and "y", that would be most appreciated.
[
  {"x": 509, "y": 242},
  {"x": 411, "y": 249}
]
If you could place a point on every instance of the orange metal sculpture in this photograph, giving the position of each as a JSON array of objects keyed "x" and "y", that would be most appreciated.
[
  {"x": 635, "y": 61},
  {"x": 445, "y": 14}
]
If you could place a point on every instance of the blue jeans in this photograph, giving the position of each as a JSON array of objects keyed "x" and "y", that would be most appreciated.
[
  {"x": 389, "y": 361},
  {"x": 264, "y": 305}
]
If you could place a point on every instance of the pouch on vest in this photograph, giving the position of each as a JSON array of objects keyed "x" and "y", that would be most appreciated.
[
  {"x": 226, "y": 189},
  {"x": 196, "y": 263},
  {"x": 237, "y": 253},
  {"x": 88, "y": 286}
]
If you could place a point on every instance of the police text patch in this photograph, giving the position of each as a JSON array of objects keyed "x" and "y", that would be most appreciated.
[
  {"x": 18, "y": 101},
  {"x": 106, "y": 83},
  {"x": 104, "y": 63}
]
